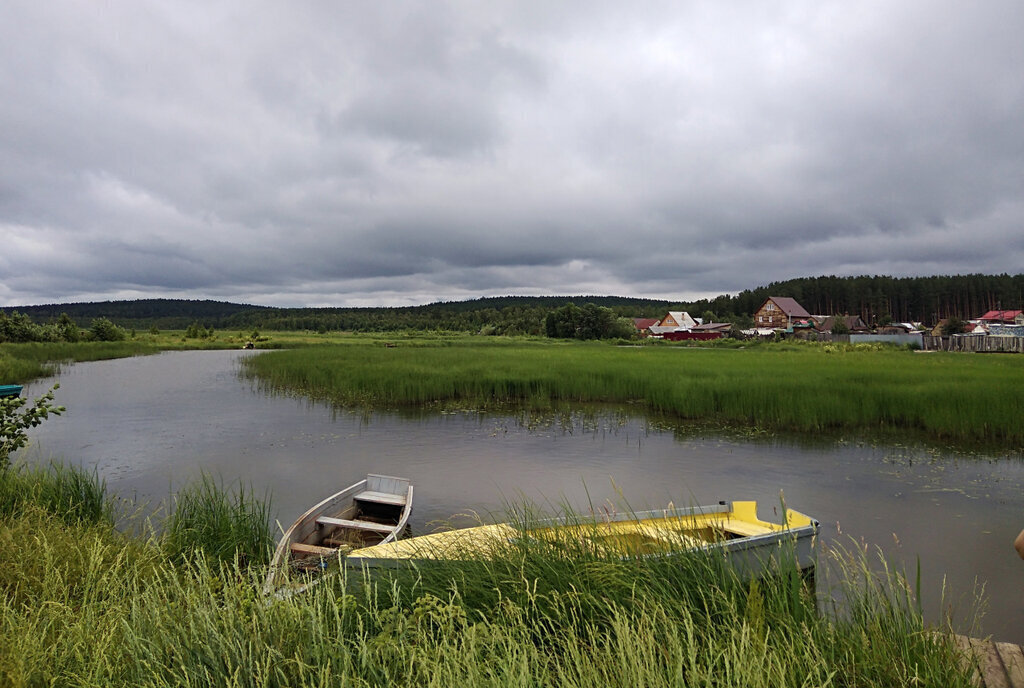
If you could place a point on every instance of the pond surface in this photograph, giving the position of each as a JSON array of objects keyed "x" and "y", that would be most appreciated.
[{"x": 149, "y": 423}]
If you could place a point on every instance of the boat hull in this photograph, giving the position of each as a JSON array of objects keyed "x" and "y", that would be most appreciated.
[
  {"x": 10, "y": 390},
  {"x": 373, "y": 511},
  {"x": 751, "y": 545}
]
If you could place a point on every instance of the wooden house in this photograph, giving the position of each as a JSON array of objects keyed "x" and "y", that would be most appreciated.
[
  {"x": 854, "y": 324},
  {"x": 674, "y": 321},
  {"x": 779, "y": 312},
  {"x": 644, "y": 325},
  {"x": 724, "y": 328}
]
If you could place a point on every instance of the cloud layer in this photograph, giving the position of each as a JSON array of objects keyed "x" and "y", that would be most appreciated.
[{"x": 401, "y": 153}]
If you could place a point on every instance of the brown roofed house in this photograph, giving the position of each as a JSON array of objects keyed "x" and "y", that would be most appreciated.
[
  {"x": 779, "y": 312},
  {"x": 644, "y": 325}
]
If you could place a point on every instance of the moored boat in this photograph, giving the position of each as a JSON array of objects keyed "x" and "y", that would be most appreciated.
[
  {"x": 10, "y": 390},
  {"x": 373, "y": 511},
  {"x": 730, "y": 527}
]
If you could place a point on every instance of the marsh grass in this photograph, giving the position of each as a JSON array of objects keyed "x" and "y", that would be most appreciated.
[
  {"x": 947, "y": 397},
  {"x": 85, "y": 605},
  {"x": 224, "y": 524},
  {"x": 67, "y": 493},
  {"x": 24, "y": 362}
]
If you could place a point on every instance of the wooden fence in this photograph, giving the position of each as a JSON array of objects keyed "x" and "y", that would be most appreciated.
[{"x": 979, "y": 343}]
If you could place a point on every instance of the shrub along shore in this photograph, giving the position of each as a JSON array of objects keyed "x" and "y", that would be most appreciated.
[
  {"x": 807, "y": 389},
  {"x": 85, "y": 604}
]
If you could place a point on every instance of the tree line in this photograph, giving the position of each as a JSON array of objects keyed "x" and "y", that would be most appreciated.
[
  {"x": 20, "y": 328},
  {"x": 876, "y": 299}
]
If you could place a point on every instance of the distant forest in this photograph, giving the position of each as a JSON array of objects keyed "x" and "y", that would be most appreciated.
[{"x": 875, "y": 299}]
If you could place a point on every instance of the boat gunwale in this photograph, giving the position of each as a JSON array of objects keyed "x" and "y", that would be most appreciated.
[
  {"x": 796, "y": 534},
  {"x": 282, "y": 554}
]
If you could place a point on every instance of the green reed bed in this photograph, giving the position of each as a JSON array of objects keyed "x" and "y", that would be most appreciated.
[
  {"x": 222, "y": 523},
  {"x": 25, "y": 362},
  {"x": 83, "y": 605},
  {"x": 66, "y": 493},
  {"x": 955, "y": 397}
]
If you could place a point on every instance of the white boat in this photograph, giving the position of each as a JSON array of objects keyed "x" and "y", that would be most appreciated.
[{"x": 373, "y": 511}]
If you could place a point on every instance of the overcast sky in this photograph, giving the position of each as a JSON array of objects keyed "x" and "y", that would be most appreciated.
[{"x": 376, "y": 153}]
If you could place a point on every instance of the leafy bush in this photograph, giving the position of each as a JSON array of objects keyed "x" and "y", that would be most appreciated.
[
  {"x": 589, "y": 322},
  {"x": 105, "y": 331},
  {"x": 15, "y": 420}
]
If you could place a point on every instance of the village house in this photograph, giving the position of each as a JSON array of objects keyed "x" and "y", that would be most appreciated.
[
  {"x": 674, "y": 321},
  {"x": 779, "y": 312},
  {"x": 852, "y": 324},
  {"x": 724, "y": 328},
  {"x": 644, "y": 325},
  {"x": 1002, "y": 318}
]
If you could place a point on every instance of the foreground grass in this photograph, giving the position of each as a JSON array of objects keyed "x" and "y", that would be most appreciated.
[
  {"x": 82, "y": 604},
  {"x": 948, "y": 397}
]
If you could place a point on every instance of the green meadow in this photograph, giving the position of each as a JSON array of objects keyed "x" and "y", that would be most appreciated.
[
  {"x": 805, "y": 389},
  {"x": 95, "y": 593},
  {"x": 164, "y": 602}
]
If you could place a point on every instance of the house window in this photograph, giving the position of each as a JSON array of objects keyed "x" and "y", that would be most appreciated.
[{"x": 770, "y": 307}]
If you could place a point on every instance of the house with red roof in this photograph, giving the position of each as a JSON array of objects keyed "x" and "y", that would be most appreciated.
[
  {"x": 1003, "y": 318},
  {"x": 644, "y": 325},
  {"x": 780, "y": 312}
]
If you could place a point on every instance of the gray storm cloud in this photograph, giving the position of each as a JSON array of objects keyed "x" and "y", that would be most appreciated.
[{"x": 409, "y": 152}]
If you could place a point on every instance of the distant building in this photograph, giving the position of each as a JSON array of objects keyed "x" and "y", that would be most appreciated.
[
  {"x": 854, "y": 324},
  {"x": 779, "y": 312},
  {"x": 644, "y": 325},
  {"x": 724, "y": 328},
  {"x": 674, "y": 321},
  {"x": 1003, "y": 318}
]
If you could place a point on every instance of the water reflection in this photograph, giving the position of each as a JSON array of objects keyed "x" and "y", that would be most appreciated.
[{"x": 149, "y": 423}]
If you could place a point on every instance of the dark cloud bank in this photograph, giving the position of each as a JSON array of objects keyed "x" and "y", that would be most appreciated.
[{"x": 364, "y": 155}]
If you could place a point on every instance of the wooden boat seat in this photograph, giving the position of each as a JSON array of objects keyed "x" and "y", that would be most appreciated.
[
  {"x": 302, "y": 548},
  {"x": 741, "y": 527},
  {"x": 355, "y": 525},
  {"x": 381, "y": 498}
]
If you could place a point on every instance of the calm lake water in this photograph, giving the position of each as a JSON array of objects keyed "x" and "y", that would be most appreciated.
[{"x": 149, "y": 423}]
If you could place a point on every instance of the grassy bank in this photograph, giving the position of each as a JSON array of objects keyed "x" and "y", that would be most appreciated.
[
  {"x": 951, "y": 397},
  {"x": 84, "y": 605},
  {"x": 24, "y": 362}
]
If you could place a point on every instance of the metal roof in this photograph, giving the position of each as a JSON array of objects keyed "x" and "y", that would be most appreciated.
[{"x": 789, "y": 306}]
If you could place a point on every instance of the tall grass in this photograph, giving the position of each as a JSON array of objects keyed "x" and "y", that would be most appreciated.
[
  {"x": 950, "y": 397},
  {"x": 223, "y": 524},
  {"x": 68, "y": 493},
  {"x": 86, "y": 606},
  {"x": 23, "y": 362}
]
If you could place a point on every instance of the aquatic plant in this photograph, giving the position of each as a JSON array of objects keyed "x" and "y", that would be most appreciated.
[
  {"x": 68, "y": 493},
  {"x": 951, "y": 397},
  {"x": 223, "y": 524}
]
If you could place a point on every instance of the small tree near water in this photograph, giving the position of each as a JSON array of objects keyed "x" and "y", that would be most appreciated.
[
  {"x": 16, "y": 419},
  {"x": 103, "y": 330}
]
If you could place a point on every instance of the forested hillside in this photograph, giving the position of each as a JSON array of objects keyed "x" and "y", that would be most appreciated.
[
  {"x": 875, "y": 299},
  {"x": 916, "y": 299}
]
